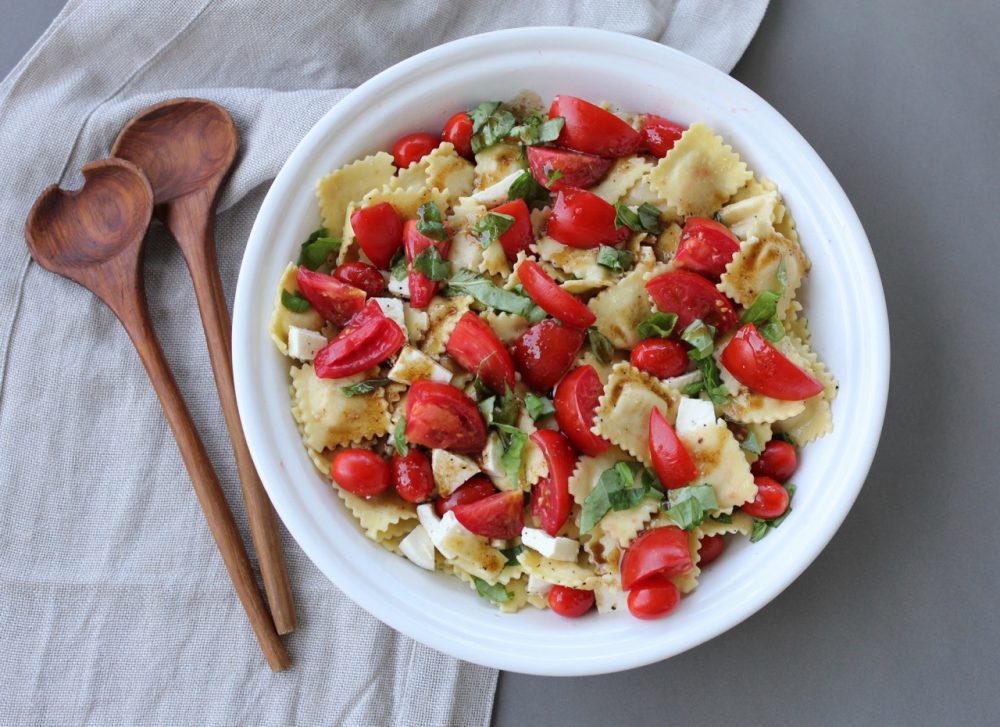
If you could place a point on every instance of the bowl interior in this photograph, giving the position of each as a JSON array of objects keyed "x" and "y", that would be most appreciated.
[{"x": 842, "y": 297}]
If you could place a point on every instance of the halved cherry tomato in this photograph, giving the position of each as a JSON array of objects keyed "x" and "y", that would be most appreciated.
[
  {"x": 656, "y": 552},
  {"x": 477, "y": 349},
  {"x": 333, "y": 299},
  {"x": 759, "y": 365},
  {"x": 360, "y": 471},
  {"x": 660, "y": 357},
  {"x": 519, "y": 236},
  {"x": 771, "y": 501},
  {"x": 591, "y": 129},
  {"x": 710, "y": 548},
  {"x": 499, "y": 516},
  {"x": 379, "y": 231},
  {"x": 659, "y": 134},
  {"x": 422, "y": 288},
  {"x": 368, "y": 339},
  {"x": 570, "y": 602},
  {"x": 671, "y": 460},
  {"x": 584, "y": 220},
  {"x": 441, "y": 416},
  {"x": 550, "y": 498},
  {"x": 475, "y": 488},
  {"x": 691, "y": 296},
  {"x": 777, "y": 460},
  {"x": 458, "y": 130},
  {"x": 412, "y": 475},
  {"x": 413, "y": 147},
  {"x": 576, "y": 169},
  {"x": 705, "y": 247},
  {"x": 544, "y": 352},
  {"x": 576, "y": 402},
  {"x": 361, "y": 275},
  {"x": 551, "y": 298},
  {"x": 653, "y": 598}
]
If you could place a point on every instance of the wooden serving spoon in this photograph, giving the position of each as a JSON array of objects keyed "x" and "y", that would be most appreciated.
[
  {"x": 94, "y": 237},
  {"x": 186, "y": 147}
]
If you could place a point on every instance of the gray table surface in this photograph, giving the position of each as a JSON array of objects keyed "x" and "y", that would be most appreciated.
[{"x": 897, "y": 621}]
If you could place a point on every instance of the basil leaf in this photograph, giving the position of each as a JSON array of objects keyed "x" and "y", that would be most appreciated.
[
  {"x": 432, "y": 265},
  {"x": 490, "y": 128},
  {"x": 711, "y": 381},
  {"x": 601, "y": 347},
  {"x": 750, "y": 443},
  {"x": 397, "y": 267},
  {"x": 763, "y": 311},
  {"x": 511, "y": 554},
  {"x": 689, "y": 506},
  {"x": 723, "y": 518},
  {"x": 760, "y": 529},
  {"x": 317, "y": 248},
  {"x": 294, "y": 302},
  {"x": 615, "y": 259},
  {"x": 538, "y": 406},
  {"x": 483, "y": 290},
  {"x": 773, "y": 331},
  {"x": 615, "y": 491},
  {"x": 513, "y": 456},
  {"x": 491, "y": 226},
  {"x": 763, "y": 527},
  {"x": 552, "y": 176},
  {"x": 785, "y": 437},
  {"x": 625, "y": 473},
  {"x": 644, "y": 219},
  {"x": 658, "y": 325},
  {"x": 508, "y": 409},
  {"x": 526, "y": 187},
  {"x": 536, "y": 129},
  {"x": 701, "y": 338},
  {"x": 694, "y": 388},
  {"x": 399, "y": 437},
  {"x": 429, "y": 222},
  {"x": 364, "y": 387},
  {"x": 497, "y": 593},
  {"x": 482, "y": 112}
]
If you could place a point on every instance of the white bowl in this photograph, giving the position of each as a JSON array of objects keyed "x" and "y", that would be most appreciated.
[{"x": 843, "y": 299}]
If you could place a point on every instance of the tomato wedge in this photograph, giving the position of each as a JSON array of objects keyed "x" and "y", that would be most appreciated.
[
  {"x": 361, "y": 275},
  {"x": 477, "y": 349},
  {"x": 441, "y": 416},
  {"x": 659, "y": 551},
  {"x": 458, "y": 131},
  {"x": 705, "y": 247},
  {"x": 554, "y": 300},
  {"x": 759, "y": 365},
  {"x": 519, "y": 236},
  {"x": 412, "y": 148},
  {"x": 544, "y": 352},
  {"x": 368, "y": 339},
  {"x": 550, "y": 498},
  {"x": 671, "y": 460},
  {"x": 582, "y": 219},
  {"x": 591, "y": 129},
  {"x": 475, "y": 488},
  {"x": 575, "y": 169},
  {"x": 498, "y": 517},
  {"x": 653, "y": 598},
  {"x": 333, "y": 299},
  {"x": 576, "y": 402},
  {"x": 659, "y": 134},
  {"x": 660, "y": 357},
  {"x": 422, "y": 288},
  {"x": 379, "y": 231},
  {"x": 691, "y": 297}
]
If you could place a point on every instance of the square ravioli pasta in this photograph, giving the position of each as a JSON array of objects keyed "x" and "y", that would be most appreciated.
[{"x": 557, "y": 355}]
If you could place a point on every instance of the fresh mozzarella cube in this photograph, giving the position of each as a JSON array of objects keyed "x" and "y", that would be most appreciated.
[
  {"x": 400, "y": 287},
  {"x": 435, "y": 527},
  {"x": 392, "y": 308},
  {"x": 492, "y": 466},
  {"x": 451, "y": 535},
  {"x": 556, "y": 548},
  {"x": 413, "y": 364},
  {"x": 694, "y": 414},
  {"x": 304, "y": 344},
  {"x": 418, "y": 548},
  {"x": 451, "y": 470},
  {"x": 537, "y": 585},
  {"x": 610, "y": 598},
  {"x": 496, "y": 193}
]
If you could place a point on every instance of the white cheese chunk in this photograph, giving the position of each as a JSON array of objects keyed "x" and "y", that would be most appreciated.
[
  {"x": 435, "y": 527},
  {"x": 413, "y": 364},
  {"x": 418, "y": 548},
  {"x": 450, "y": 533},
  {"x": 492, "y": 466},
  {"x": 694, "y": 414},
  {"x": 304, "y": 344},
  {"x": 392, "y": 308},
  {"x": 400, "y": 287},
  {"x": 537, "y": 585},
  {"x": 451, "y": 470},
  {"x": 496, "y": 193},
  {"x": 556, "y": 548}
]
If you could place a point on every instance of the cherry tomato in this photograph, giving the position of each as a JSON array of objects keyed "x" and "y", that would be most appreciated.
[
  {"x": 361, "y": 275},
  {"x": 759, "y": 365},
  {"x": 777, "y": 460},
  {"x": 379, "y": 231},
  {"x": 576, "y": 169},
  {"x": 656, "y": 552},
  {"x": 413, "y": 147},
  {"x": 474, "y": 489},
  {"x": 591, "y": 129},
  {"x": 653, "y": 598},
  {"x": 498, "y": 517},
  {"x": 519, "y": 236},
  {"x": 705, "y": 247},
  {"x": 544, "y": 352},
  {"x": 333, "y": 299},
  {"x": 584, "y": 220},
  {"x": 412, "y": 476},
  {"x": 660, "y": 357},
  {"x": 361, "y": 472},
  {"x": 368, "y": 339},
  {"x": 550, "y": 498},
  {"x": 659, "y": 134},
  {"x": 710, "y": 548},
  {"x": 441, "y": 416},
  {"x": 422, "y": 288},
  {"x": 458, "y": 130},
  {"x": 691, "y": 296},
  {"x": 570, "y": 602},
  {"x": 551, "y": 298},
  {"x": 771, "y": 501},
  {"x": 671, "y": 460},
  {"x": 576, "y": 402},
  {"x": 476, "y": 348}
]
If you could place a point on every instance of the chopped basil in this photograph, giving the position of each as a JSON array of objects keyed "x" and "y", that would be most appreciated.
[
  {"x": 764, "y": 309},
  {"x": 616, "y": 490},
  {"x": 538, "y": 406},
  {"x": 486, "y": 407},
  {"x": 600, "y": 346},
  {"x": 511, "y": 554},
  {"x": 429, "y": 222},
  {"x": 490, "y": 124},
  {"x": 552, "y": 176},
  {"x": 491, "y": 226},
  {"x": 723, "y": 518},
  {"x": 432, "y": 265},
  {"x": 701, "y": 337},
  {"x": 497, "y": 410},
  {"x": 364, "y": 387},
  {"x": 646, "y": 218},
  {"x": 317, "y": 248},
  {"x": 397, "y": 267},
  {"x": 482, "y": 112},
  {"x": 399, "y": 437},
  {"x": 536, "y": 129},
  {"x": 785, "y": 437},
  {"x": 513, "y": 455},
  {"x": 711, "y": 381},
  {"x": 496, "y": 593},
  {"x": 689, "y": 506},
  {"x": 294, "y": 302},
  {"x": 763, "y": 527},
  {"x": 750, "y": 443},
  {"x": 526, "y": 187},
  {"x": 658, "y": 325},
  {"x": 483, "y": 290},
  {"x": 615, "y": 259},
  {"x": 773, "y": 330}
]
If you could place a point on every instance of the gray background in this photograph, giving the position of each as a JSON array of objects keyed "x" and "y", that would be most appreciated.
[{"x": 896, "y": 622}]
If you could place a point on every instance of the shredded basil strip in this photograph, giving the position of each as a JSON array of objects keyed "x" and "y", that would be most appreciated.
[
  {"x": 483, "y": 290},
  {"x": 432, "y": 265},
  {"x": 658, "y": 325},
  {"x": 294, "y": 302},
  {"x": 750, "y": 442},
  {"x": 397, "y": 268},
  {"x": 616, "y": 490},
  {"x": 646, "y": 218},
  {"x": 537, "y": 129},
  {"x": 490, "y": 124},
  {"x": 689, "y": 506},
  {"x": 701, "y": 338},
  {"x": 538, "y": 406},
  {"x": 317, "y": 248},
  {"x": 496, "y": 593},
  {"x": 511, "y": 554},
  {"x": 552, "y": 176},
  {"x": 762, "y": 527},
  {"x": 491, "y": 226},
  {"x": 615, "y": 259},
  {"x": 763, "y": 312},
  {"x": 364, "y": 387},
  {"x": 429, "y": 222},
  {"x": 711, "y": 382},
  {"x": 482, "y": 112},
  {"x": 513, "y": 456},
  {"x": 399, "y": 437},
  {"x": 600, "y": 346},
  {"x": 526, "y": 187}
]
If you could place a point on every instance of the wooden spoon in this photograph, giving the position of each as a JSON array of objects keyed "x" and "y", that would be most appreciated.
[
  {"x": 186, "y": 148},
  {"x": 94, "y": 236}
]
